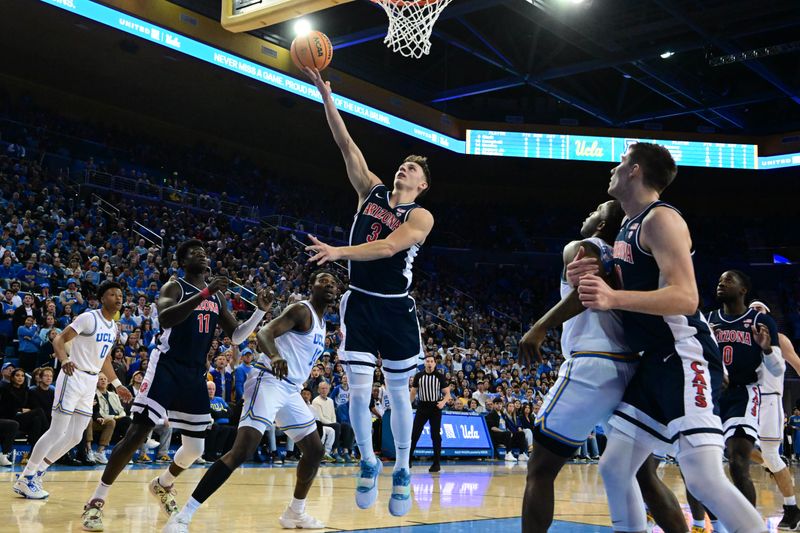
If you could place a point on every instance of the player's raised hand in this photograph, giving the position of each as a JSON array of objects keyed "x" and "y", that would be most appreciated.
[
  {"x": 762, "y": 337},
  {"x": 280, "y": 368},
  {"x": 220, "y": 283},
  {"x": 595, "y": 293},
  {"x": 530, "y": 345},
  {"x": 581, "y": 266},
  {"x": 264, "y": 299},
  {"x": 323, "y": 253},
  {"x": 324, "y": 87}
]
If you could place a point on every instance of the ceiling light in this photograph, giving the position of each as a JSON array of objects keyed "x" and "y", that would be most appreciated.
[
  {"x": 302, "y": 27},
  {"x": 667, "y": 54}
]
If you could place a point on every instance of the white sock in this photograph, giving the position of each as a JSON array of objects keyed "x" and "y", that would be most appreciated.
[
  {"x": 190, "y": 508},
  {"x": 298, "y": 506},
  {"x": 101, "y": 492},
  {"x": 166, "y": 479},
  {"x": 30, "y": 469},
  {"x": 402, "y": 420},
  {"x": 791, "y": 500},
  {"x": 699, "y": 523},
  {"x": 360, "y": 416},
  {"x": 44, "y": 466}
]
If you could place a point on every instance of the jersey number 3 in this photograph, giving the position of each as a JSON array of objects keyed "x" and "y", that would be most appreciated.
[
  {"x": 376, "y": 231},
  {"x": 205, "y": 321}
]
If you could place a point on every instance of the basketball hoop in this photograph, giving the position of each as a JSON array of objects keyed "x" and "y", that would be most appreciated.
[{"x": 411, "y": 24}]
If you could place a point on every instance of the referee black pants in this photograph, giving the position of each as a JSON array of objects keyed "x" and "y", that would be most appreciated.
[{"x": 428, "y": 411}]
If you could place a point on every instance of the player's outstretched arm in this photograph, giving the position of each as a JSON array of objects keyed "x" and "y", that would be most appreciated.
[
  {"x": 360, "y": 176},
  {"x": 667, "y": 237},
  {"x": 294, "y": 317},
  {"x": 413, "y": 231},
  {"x": 569, "y": 306},
  {"x": 788, "y": 352}
]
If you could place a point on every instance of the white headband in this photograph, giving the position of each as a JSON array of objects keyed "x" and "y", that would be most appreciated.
[{"x": 762, "y": 304}]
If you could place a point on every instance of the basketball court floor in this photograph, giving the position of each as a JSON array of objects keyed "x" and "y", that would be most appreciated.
[{"x": 464, "y": 497}]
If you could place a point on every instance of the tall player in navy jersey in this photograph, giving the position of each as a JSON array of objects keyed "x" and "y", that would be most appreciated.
[
  {"x": 174, "y": 386},
  {"x": 378, "y": 316},
  {"x": 673, "y": 399}
]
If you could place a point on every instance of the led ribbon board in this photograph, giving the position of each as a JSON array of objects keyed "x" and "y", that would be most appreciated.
[
  {"x": 608, "y": 149},
  {"x": 479, "y": 142},
  {"x": 186, "y": 45}
]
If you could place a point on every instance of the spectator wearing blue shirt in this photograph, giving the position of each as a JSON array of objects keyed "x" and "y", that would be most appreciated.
[
  {"x": 27, "y": 276},
  {"x": 71, "y": 295},
  {"x": 223, "y": 380},
  {"x": 7, "y": 318},
  {"x": 93, "y": 275},
  {"x": 9, "y": 269},
  {"x": 28, "y": 349},
  {"x": 44, "y": 272},
  {"x": 241, "y": 372},
  {"x": 127, "y": 323}
]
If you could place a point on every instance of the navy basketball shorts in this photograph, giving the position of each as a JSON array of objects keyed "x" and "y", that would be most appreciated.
[
  {"x": 674, "y": 392},
  {"x": 739, "y": 407},
  {"x": 384, "y": 327},
  {"x": 173, "y": 391}
]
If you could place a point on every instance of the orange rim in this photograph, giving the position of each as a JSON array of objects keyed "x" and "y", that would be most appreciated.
[{"x": 404, "y": 3}]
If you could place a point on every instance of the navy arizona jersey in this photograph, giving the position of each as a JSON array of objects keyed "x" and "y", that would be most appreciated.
[
  {"x": 188, "y": 343},
  {"x": 741, "y": 354},
  {"x": 637, "y": 270},
  {"x": 376, "y": 219}
]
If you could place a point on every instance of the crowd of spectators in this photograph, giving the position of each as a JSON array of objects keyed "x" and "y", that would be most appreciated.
[{"x": 58, "y": 244}]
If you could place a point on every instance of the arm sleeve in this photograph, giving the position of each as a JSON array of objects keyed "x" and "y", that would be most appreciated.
[
  {"x": 773, "y": 361},
  {"x": 244, "y": 330}
]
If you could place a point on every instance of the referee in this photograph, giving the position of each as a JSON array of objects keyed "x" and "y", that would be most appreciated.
[{"x": 433, "y": 394}]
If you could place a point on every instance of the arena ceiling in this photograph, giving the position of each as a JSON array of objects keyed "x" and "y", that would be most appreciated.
[{"x": 597, "y": 62}]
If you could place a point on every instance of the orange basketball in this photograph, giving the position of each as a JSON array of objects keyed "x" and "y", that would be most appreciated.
[{"x": 312, "y": 50}]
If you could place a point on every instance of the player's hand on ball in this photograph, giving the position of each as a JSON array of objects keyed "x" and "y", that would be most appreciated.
[
  {"x": 264, "y": 299},
  {"x": 279, "y": 367},
  {"x": 762, "y": 337},
  {"x": 324, "y": 87},
  {"x": 581, "y": 266},
  {"x": 323, "y": 253},
  {"x": 124, "y": 394},
  {"x": 219, "y": 283},
  {"x": 530, "y": 344},
  {"x": 595, "y": 293}
]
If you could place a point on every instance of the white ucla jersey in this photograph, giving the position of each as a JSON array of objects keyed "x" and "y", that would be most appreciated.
[
  {"x": 300, "y": 350},
  {"x": 593, "y": 331},
  {"x": 771, "y": 384},
  {"x": 96, "y": 336}
]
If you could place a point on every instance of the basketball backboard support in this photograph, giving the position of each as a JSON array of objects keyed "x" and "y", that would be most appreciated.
[{"x": 247, "y": 15}]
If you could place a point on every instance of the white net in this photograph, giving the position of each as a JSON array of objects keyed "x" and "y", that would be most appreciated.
[{"x": 410, "y": 24}]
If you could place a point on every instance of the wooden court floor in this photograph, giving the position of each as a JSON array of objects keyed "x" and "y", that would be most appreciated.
[{"x": 463, "y": 497}]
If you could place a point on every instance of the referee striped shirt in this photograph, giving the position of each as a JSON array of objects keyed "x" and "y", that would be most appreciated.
[{"x": 429, "y": 386}]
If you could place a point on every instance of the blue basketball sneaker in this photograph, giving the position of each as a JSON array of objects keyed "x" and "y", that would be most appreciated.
[
  {"x": 400, "y": 502},
  {"x": 367, "y": 485}
]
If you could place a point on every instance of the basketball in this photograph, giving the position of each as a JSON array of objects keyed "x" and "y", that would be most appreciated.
[{"x": 312, "y": 50}]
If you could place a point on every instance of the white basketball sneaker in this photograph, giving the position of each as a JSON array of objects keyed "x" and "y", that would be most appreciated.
[
  {"x": 177, "y": 523},
  {"x": 27, "y": 487},
  {"x": 291, "y": 520}
]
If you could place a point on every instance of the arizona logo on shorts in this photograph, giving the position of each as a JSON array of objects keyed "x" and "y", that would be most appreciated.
[
  {"x": 699, "y": 384},
  {"x": 143, "y": 387}
]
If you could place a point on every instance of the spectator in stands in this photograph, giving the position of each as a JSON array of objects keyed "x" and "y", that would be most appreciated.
[
  {"x": 148, "y": 333},
  {"x": 27, "y": 276},
  {"x": 222, "y": 378},
  {"x": 7, "y": 332},
  {"x": 498, "y": 424},
  {"x": 42, "y": 394},
  {"x": 110, "y": 407},
  {"x": 315, "y": 379},
  {"x": 325, "y": 413},
  {"x": 516, "y": 426},
  {"x": 241, "y": 372},
  {"x": 127, "y": 323},
  {"x": 219, "y": 437},
  {"x": 27, "y": 309},
  {"x": 119, "y": 364},
  {"x": 15, "y": 404},
  {"x": 66, "y": 317},
  {"x": 28, "y": 350},
  {"x": 71, "y": 295}
]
